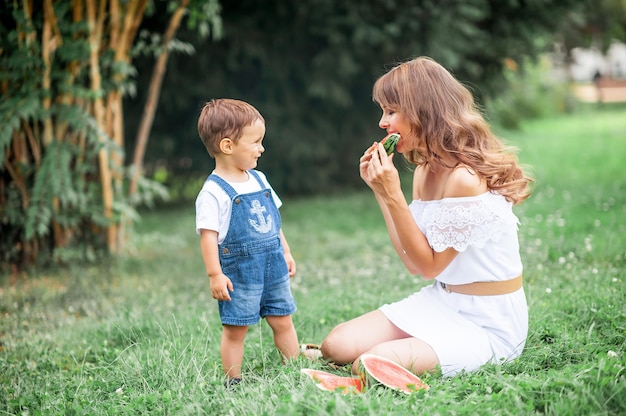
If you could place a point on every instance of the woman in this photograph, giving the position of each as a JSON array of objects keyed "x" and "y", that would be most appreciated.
[{"x": 458, "y": 231}]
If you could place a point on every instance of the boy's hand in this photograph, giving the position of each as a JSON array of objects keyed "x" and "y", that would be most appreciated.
[
  {"x": 291, "y": 264},
  {"x": 220, "y": 286}
]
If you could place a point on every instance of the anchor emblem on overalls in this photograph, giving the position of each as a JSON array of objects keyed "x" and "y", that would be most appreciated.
[{"x": 264, "y": 225}]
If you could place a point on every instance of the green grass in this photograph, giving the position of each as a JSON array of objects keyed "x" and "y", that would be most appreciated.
[{"x": 140, "y": 335}]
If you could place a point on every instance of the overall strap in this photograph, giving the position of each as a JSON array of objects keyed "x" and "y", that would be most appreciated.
[
  {"x": 223, "y": 184},
  {"x": 256, "y": 176}
]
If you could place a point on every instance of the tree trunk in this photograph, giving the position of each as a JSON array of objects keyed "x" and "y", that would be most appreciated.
[
  {"x": 110, "y": 117},
  {"x": 95, "y": 36},
  {"x": 153, "y": 96},
  {"x": 121, "y": 39}
]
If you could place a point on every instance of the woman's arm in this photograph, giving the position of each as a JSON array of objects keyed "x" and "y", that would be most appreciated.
[
  {"x": 395, "y": 239},
  {"x": 378, "y": 171}
]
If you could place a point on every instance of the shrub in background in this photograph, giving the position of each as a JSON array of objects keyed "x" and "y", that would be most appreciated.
[{"x": 533, "y": 90}]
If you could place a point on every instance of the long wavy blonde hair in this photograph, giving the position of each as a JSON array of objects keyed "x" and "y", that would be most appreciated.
[{"x": 447, "y": 127}]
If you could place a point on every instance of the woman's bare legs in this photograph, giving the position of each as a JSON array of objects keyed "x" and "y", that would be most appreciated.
[
  {"x": 348, "y": 340},
  {"x": 411, "y": 353},
  {"x": 373, "y": 333}
]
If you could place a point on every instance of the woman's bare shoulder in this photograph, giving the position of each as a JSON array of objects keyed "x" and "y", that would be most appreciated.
[{"x": 464, "y": 181}]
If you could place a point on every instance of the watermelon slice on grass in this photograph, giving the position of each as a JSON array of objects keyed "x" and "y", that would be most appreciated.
[
  {"x": 331, "y": 382},
  {"x": 376, "y": 370},
  {"x": 391, "y": 374}
]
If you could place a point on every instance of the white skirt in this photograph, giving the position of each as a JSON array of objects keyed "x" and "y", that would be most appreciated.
[{"x": 464, "y": 331}]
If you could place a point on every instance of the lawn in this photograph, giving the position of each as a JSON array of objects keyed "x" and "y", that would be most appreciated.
[{"x": 140, "y": 334}]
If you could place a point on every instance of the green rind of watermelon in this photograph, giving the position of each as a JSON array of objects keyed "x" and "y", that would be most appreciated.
[{"x": 390, "y": 142}]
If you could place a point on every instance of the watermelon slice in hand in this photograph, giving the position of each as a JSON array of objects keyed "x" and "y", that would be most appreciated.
[
  {"x": 391, "y": 374},
  {"x": 390, "y": 141},
  {"x": 331, "y": 382}
]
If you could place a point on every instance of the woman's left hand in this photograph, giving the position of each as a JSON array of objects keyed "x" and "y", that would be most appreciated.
[{"x": 378, "y": 171}]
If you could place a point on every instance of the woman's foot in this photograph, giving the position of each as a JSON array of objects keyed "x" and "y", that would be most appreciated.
[{"x": 311, "y": 351}]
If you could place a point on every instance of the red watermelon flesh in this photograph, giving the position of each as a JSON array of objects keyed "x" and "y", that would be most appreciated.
[
  {"x": 392, "y": 374},
  {"x": 331, "y": 382}
]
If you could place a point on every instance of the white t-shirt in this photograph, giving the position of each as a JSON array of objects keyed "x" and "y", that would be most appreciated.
[{"x": 213, "y": 205}]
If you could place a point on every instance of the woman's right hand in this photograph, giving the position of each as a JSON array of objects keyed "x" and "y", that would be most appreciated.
[{"x": 364, "y": 163}]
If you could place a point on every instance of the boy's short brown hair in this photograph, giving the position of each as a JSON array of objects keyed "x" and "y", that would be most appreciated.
[{"x": 225, "y": 117}]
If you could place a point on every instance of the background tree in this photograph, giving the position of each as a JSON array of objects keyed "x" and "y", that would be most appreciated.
[
  {"x": 593, "y": 23},
  {"x": 65, "y": 66},
  {"x": 198, "y": 21}
]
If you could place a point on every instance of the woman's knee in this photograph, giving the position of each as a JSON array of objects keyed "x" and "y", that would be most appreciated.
[
  {"x": 348, "y": 340},
  {"x": 335, "y": 344},
  {"x": 329, "y": 342}
]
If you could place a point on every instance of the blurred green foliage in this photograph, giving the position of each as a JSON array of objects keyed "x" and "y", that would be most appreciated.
[
  {"x": 532, "y": 91},
  {"x": 309, "y": 68}
]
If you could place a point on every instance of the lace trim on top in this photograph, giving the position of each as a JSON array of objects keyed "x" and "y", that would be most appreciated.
[{"x": 465, "y": 221}]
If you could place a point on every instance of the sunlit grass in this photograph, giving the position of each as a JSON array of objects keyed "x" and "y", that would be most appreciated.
[{"x": 140, "y": 335}]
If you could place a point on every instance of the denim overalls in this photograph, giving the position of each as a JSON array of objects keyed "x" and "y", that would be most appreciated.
[{"x": 252, "y": 256}]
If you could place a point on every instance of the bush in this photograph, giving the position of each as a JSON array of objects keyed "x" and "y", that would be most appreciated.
[{"x": 533, "y": 91}]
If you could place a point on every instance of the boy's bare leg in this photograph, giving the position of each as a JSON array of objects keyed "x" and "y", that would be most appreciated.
[
  {"x": 231, "y": 349},
  {"x": 285, "y": 337}
]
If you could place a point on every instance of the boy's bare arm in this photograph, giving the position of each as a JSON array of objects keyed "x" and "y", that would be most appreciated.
[
  {"x": 219, "y": 283},
  {"x": 291, "y": 262}
]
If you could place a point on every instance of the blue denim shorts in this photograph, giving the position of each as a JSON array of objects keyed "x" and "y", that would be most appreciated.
[{"x": 261, "y": 286}]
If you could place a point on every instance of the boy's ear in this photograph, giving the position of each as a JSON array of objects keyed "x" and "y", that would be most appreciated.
[{"x": 226, "y": 146}]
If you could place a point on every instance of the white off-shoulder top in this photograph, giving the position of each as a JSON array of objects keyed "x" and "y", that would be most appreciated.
[{"x": 482, "y": 228}]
